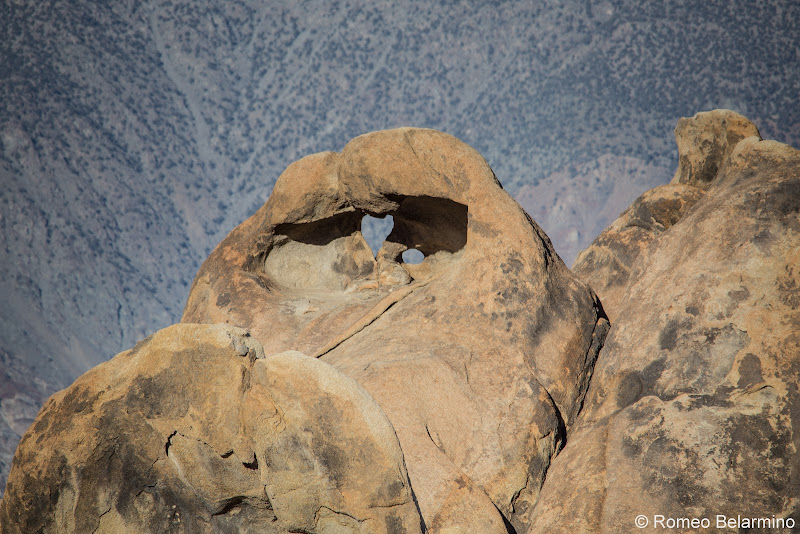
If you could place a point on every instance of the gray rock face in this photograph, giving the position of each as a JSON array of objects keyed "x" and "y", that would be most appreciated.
[{"x": 692, "y": 407}]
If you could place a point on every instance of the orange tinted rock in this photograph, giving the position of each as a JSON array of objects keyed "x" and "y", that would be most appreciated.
[
  {"x": 606, "y": 264},
  {"x": 195, "y": 430},
  {"x": 692, "y": 410},
  {"x": 480, "y": 355}
]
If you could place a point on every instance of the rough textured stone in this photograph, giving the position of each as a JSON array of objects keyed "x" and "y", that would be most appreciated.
[
  {"x": 194, "y": 430},
  {"x": 693, "y": 407},
  {"x": 606, "y": 264},
  {"x": 705, "y": 142},
  {"x": 471, "y": 369},
  {"x": 480, "y": 355},
  {"x": 705, "y": 145}
]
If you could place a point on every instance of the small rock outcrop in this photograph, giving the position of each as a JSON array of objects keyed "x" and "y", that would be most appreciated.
[
  {"x": 693, "y": 407},
  {"x": 706, "y": 143}
]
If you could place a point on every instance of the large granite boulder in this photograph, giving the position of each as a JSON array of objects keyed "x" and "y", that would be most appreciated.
[
  {"x": 480, "y": 355},
  {"x": 194, "y": 430},
  {"x": 460, "y": 394},
  {"x": 694, "y": 409},
  {"x": 705, "y": 144},
  {"x": 606, "y": 264}
]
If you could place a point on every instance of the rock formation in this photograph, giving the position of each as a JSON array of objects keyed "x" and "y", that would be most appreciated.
[
  {"x": 705, "y": 143},
  {"x": 480, "y": 355},
  {"x": 194, "y": 430},
  {"x": 316, "y": 387},
  {"x": 135, "y": 135},
  {"x": 693, "y": 408}
]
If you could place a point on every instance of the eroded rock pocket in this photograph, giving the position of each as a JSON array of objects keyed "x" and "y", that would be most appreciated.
[{"x": 332, "y": 254}]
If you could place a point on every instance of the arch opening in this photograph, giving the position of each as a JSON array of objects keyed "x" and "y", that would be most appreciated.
[
  {"x": 375, "y": 231},
  {"x": 416, "y": 237},
  {"x": 413, "y": 256}
]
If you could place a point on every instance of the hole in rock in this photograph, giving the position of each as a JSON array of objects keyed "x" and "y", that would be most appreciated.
[
  {"x": 339, "y": 252},
  {"x": 375, "y": 231},
  {"x": 322, "y": 232},
  {"x": 253, "y": 464},
  {"x": 430, "y": 224},
  {"x": 413, "y": 256}
]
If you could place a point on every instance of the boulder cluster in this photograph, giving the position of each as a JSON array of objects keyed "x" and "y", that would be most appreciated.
[{"x": 315, "y": 387}]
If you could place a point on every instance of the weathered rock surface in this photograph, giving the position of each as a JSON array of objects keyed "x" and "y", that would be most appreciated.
[
  {"x": 705, "y": 143},
  {"x": 479, "y": 355},
  {"x": 459, "y": 394},
  {"x": 693, "y": 407},
  {"x": 194, "y": 430},
  {"x": 606, "y": 264}
]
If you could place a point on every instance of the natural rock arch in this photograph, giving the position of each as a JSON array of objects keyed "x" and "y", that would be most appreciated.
[{"x": 490, "y": 336}]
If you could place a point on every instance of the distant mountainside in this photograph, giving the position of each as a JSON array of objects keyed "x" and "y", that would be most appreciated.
[
  {"x": 135, "y": 135},
  {"x": 575, "y": 203}
]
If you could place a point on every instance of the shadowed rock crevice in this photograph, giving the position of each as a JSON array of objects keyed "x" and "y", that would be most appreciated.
[
  {"x": 327, "y": 254},
  {"x": 330, "y": 254},
  {"x": 430, "y": 225}
]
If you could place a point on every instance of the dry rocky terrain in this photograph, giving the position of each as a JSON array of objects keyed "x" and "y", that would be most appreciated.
[
  {"x": 313, "y": 386},
  {"x": 135, "y": 135}
]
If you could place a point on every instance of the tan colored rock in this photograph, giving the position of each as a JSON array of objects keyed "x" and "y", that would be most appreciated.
[
  {"x": 705, "y": 142},
  {"x": 693, "y": 407},
  {"x": 194, "y": 430},
  {"x": 606, "y": 264},
  {"x": 480, "y": 355}
]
